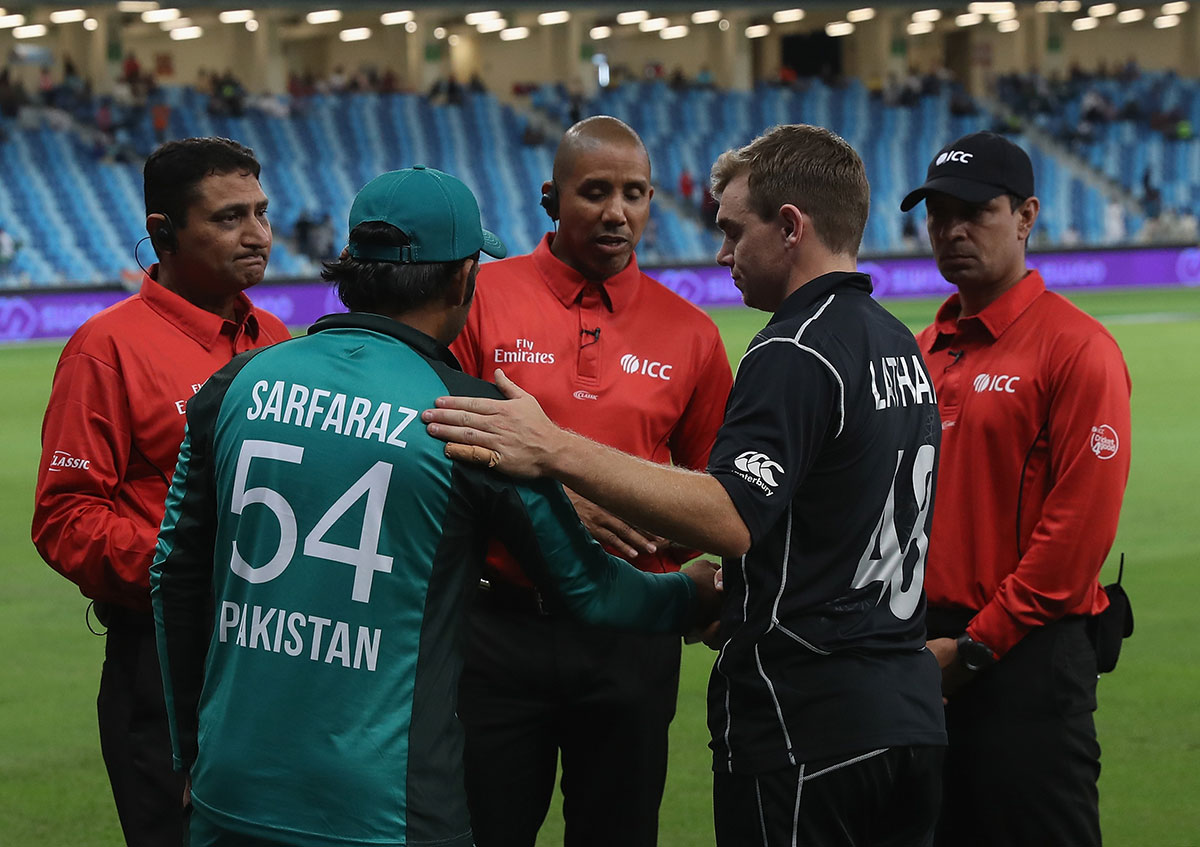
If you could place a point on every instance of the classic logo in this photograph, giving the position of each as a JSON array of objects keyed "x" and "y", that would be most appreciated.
[
  {"x": 954, "y": 156},
  {"x": 1105, "y": 442},
  {"x": 63, "y": 459},
  {"x": 583, "y": 395},
  {"x": 758, "y": 468},
  {"x": 631, "y": 364},
  {"x": 18, "y": 319},
  {"x": 998, "y": 382}
]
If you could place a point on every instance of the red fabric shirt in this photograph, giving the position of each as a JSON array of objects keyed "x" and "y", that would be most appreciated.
[
  {"x": 630, "y": 363},
  {"x": 111, "y": 435},
  {"x": 1034, "y": 396}
]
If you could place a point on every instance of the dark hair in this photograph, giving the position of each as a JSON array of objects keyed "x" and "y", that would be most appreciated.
[
  {"x": 175, "y": 169},
  {"x": 809, "y": 167},
  {"x": 392, "y": 288}
]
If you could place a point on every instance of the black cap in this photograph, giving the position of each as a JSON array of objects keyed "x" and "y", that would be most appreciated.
[{"x": 976, "y": 168}]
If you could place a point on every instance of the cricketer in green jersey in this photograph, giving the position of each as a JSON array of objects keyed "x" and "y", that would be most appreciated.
[{"x": 318, "y": 549}]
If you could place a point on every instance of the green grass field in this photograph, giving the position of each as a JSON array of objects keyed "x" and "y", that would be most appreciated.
[{"x": 53, "y": 789}]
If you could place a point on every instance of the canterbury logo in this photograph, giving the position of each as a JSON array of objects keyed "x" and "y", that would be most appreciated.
[
  {"x": 760, "y": 466},
  {"x": 631, "y": 364}
]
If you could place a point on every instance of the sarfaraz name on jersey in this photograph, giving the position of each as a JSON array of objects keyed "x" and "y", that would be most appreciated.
[{"x": 357, "y": 417}]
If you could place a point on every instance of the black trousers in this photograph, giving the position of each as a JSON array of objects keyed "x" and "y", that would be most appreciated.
[
  {"x": 880, "y": 798},
  {"x": 533, "y": 686},
  {"x": 134, "y": 737},
  {"x": 1023, "y": 761}
]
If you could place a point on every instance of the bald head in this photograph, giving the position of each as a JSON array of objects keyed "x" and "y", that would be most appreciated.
[{"x": 590, "y": 135}]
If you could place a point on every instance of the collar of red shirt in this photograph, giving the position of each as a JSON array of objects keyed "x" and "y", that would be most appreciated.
[
  {"x": 993, "y": 320},
  {"x": 204, "y": 327},
  {"x": 567, "y": 283}
]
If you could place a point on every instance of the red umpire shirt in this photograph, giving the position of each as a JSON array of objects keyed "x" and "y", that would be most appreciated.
[{"x": 1034, "y": 396}]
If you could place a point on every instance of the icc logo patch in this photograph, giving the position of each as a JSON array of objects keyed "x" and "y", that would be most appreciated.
[{"x": 1105, "y": 443}]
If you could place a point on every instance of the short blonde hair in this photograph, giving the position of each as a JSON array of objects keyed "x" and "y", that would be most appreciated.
[{"x": 810, "y": 168}]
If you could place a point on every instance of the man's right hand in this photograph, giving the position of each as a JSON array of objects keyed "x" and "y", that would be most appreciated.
[
  {"x": 704, "y": 574},
  {"x": 613, "y": 532}
]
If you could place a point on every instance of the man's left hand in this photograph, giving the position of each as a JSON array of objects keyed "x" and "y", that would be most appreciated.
[{"x": 954, "y": 673}]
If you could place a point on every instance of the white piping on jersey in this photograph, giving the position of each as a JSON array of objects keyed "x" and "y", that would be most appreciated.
[
  {"x": 802, "y": 642},
  {"x": 787, "y": 549},
  {"x": 846, "y": 763},
  {"x": 762, "y": 817},
  {"x": 796, "y": 808},
  {"x": 721, "y": 656},
  {"x": 803, "y": 778},
  {"x": 795, "y": 340},
  {"x": 787, "y": 737}
]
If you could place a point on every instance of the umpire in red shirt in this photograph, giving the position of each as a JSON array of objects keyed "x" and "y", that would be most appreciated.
[
  {"x": 1034, "y": 397},
  {"x": 615, "y": 355},
  {"x": 111, "y": 436}
]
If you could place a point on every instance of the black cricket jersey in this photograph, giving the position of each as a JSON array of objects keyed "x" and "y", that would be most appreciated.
[
  {"x": 317, "y": 551},
  {"x": 829, "y": 452}
]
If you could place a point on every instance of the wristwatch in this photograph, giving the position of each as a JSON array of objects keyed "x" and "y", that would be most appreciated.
[{"x": 975, "y": 655}]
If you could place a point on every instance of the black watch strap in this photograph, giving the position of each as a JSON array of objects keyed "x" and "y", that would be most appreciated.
[{"x": 975, "y": 655}]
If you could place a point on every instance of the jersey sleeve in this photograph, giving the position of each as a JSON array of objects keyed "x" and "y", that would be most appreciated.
[
  {"x": 692, "y": 440},
  {"x": 1088, "y": 431},
  {"x": 783, "y": 405},
  {"x": 538, "y": 524},
  {"x": 86, "y": 444}
]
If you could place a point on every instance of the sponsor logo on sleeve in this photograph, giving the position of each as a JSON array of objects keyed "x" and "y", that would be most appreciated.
[
  {"x": 62, "y": 460},
  {"x": 759, "y": 470},
  {"x": 1105, "y": 443},
  {"x": 631, "y": 364}
]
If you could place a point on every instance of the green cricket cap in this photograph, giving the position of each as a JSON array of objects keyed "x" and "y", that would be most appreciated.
[{"x": 437, "y": 212}]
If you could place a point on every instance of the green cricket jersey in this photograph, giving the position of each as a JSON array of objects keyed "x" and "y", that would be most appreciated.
[{"x": 315, "y": 557}]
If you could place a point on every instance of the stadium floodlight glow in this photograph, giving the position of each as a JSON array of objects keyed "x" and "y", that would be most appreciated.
[
  {"x": 356, "y": 33},
  {"x": 252, "y": 25},
  {"x": 1176, "y": 8},
  {"x": 1161, "y": 22},
  {"x": 919, "y": 27},
  {"x": 654, "y": 24},
  {"x": 491, "y": 26},
  {"x": 857, "y": 16},
  {"x": 453, "y": 39},
  {"x": 476, "y": 18},
  {"x": 1129, "y": 16},
  {"x": 626, "y": 18},
  {"x": 1008, "y": 15},
  {"x": 187, "y": 33},
  {"x": 968, "y": 19},
  {"x": 235, "y": 16},
  {"x": 10, "y": 21},
  {"x": 927, "y": 15},
  {"x": 157, "y": 16},
  {"x": 1046, "y": 6},
  {"x": 1069, "y": 6},
  {"x": 396, "y": 18},
  {"x": 671, "y": 32},
  {"x": 133, "y": 6},
  {"x": 1080, "y": 24},
  {"x": 31, "y": 31},
  {"x": 177, "y": 23},
  {"x": 514, "y": 33},
  {"x": 67, "y": 16},
  {"x": 757, "y": 31},
  {"x": 91, "y": 24},
  {"x": 839, "y": 28},
  {"x": 724, "y": 24},
  {"x": 552, "y": 18},
  {"x": 1103, "y": 10},
  {"x": 324, "y": 16},
  {"x": 439, "y": 32},
  {"x": 410, "y": 27},
  {"x": 599, "y": 33},
  {"x": 788, "y": 16},
  {"x": 706, "y": 16},
  {"x": 991, "y": 8},
  {"x": 1010, "y": 25}
]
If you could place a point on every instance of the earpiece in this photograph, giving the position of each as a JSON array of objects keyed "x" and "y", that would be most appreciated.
[
  {"x": 550, "y": 200},
  {"x": 165, "y": 238}
]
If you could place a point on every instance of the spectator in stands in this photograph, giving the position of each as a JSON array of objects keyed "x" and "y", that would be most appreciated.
[
  {"x": 1151, "y": 196},
  {"x": 322, "y": 238},
  {"x": 130, "y": 69},
  {"x": 160, "y": 116},
  {"x": 111, "y": 436},
  {"x": 8, "y": 248},
  {"x": 687, "y": 185},
  {"x": 704, "y": 77},
  {"x": 535, "y": 682},
  {"x": 302, "y": 234},
  {"x": 679, "y": 80},
  {"x": 476, "y": 85}
]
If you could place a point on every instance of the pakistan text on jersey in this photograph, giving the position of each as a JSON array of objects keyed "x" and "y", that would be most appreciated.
[
  {"x": 357, "y": 417},
  {"x": 298, "y": 634},
  {"x": 900, "y": 381}
]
